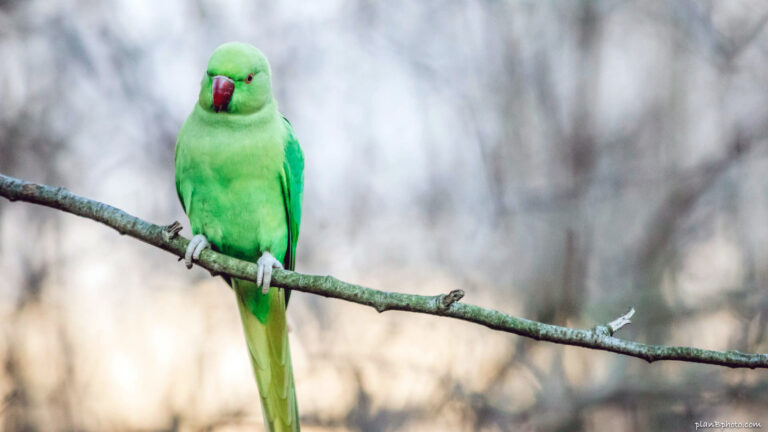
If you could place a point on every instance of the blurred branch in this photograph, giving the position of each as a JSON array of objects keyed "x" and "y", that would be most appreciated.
[
  {"x": 166, "y": 238},
  {"x": 697, "y": 24}
]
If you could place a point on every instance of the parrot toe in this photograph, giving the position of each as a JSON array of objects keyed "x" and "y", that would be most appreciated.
[
  {"x": 264, "y": 274},
  {"x": 196, "y": 245}
]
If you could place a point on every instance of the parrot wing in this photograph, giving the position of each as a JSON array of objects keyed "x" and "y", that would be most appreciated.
[
  {"x": 178, "y": 179},
  {"x": 292, "y": 180}
]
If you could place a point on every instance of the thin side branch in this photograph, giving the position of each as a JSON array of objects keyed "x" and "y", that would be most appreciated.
[
  {"x": 621, "y": 321},
  {"x": 447, "y": 305}
]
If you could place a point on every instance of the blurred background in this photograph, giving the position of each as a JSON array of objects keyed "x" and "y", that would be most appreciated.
[{"x": 560, "y": 161}]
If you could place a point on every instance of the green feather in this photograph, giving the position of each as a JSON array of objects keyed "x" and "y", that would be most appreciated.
[
  {"x": 239, "y": 177},
  {"x": 293, "y": 191}
]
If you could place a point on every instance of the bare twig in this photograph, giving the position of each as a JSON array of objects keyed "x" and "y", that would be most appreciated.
[
  {"x": 621, "y": 321},
  {"x": 448, "y": 305}
]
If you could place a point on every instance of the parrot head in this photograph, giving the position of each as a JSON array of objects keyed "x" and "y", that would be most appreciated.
[{"x": 236, "y": 81}]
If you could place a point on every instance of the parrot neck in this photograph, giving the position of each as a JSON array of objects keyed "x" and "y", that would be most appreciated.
[{"x": 267, "y": 113}]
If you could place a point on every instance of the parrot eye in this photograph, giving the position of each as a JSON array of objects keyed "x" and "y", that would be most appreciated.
[{"x": 249, "y": 78}]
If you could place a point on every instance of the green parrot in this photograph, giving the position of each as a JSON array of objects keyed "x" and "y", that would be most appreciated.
[{"x": 240, "y": 179}]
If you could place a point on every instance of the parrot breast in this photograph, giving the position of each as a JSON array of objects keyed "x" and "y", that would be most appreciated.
[{"x": 229, "y": 175}]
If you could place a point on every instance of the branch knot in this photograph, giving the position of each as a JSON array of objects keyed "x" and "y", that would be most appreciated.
[
  {"x": 171, "y": 231},
  {"x": 446, "y": 300}
]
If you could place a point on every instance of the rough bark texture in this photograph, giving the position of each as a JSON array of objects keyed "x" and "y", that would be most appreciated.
[{"x": 447, "y": 305}]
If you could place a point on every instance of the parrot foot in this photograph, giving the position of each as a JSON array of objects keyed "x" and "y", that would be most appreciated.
[
  {"x": 196, "y": 245},
  {"x": 264, "y": 275}
]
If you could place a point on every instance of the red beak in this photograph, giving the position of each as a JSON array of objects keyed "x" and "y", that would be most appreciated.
[{"x": 223, "y": 88}]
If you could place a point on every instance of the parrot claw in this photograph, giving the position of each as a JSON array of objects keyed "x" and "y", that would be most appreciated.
[
  {"x": 264, "y": 274},
  {"x": 196, "y": 245}
]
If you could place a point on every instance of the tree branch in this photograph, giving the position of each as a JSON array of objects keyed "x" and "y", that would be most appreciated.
[{"x": 447, "y": 305}]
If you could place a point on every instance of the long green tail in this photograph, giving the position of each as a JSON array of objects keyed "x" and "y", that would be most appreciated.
[{"x": 270, "y": 357}]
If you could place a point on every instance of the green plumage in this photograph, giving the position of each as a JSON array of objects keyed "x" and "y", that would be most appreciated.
[{"x": 239, "y": 176}]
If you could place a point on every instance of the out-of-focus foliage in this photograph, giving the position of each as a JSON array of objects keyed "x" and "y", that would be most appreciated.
[{"x": 557, "y": 160}]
